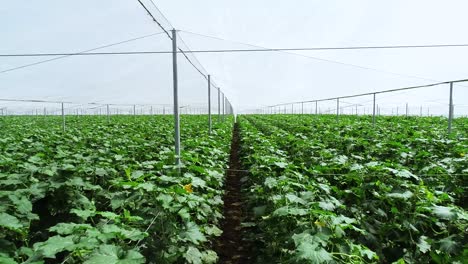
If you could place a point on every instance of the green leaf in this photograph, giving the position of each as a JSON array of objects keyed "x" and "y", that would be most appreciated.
[
  {"x": 114, "y": 230},
  {"x": 193, "y": 255},
  {"x": 100, "y": 172},
  {"x": 286, "y": 210},
  {"x": 209, "y": 257},
  {"x": 294, "y": 198},
  {"x": 166, "y": 200},
  {"x": 448, "y": 244},
  {"x": 270, "y": 182},
  {"x": 281, "y": 164},
  {"x": 10, "y": 222},
  {"x": 22, "y": 204},
  {"x": 405, "y": 195},
  {"x": 147, "y": 186},
  {"x": 213, "y": 230},
  {"x": 192, "y": 234},
  {"x": 137, "y": 174},
  {"x": 422, "y": 244},
  {"x": 85, "y": 214},
  {"x": 54, "y": 245},
  {"x": 69, "y": 228},
  {"x": 312, "y": 252},
  {"x": 443, "y": 212},
  {"x": 111, "y": 254},
  {"x": 5, "y": 259},
  {"x": 197, "y": 182},
  {"x": 325, "y": 205}
]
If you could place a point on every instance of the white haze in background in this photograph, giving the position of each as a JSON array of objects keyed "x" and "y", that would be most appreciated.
[{"x": 251, "y": 80}]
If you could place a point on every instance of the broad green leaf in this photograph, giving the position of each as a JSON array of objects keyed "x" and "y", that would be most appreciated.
[
  {"x": 213, "y": 230},
  {"x": 10, "y": 222},
  {"x": 111, "y": 254},
  {"x": 443, "y": 212},
  {"x": 423, "y": 245},
  {"x": 281, "y": 164},
  {"x": 69, "y": 228},
  {"x": 448, "y": 244},
  {"x": 5, "y": 259},
  {"x": 270, "y": 182},
  {"x": 54, "y": 245},
  {"x": 312, "y": 253},
  {"x": 193, "y": 255},
  {"x": 193, "y": 234},
  {"x": 209, "y": 257},
  {"x": 404, "y": 195}
]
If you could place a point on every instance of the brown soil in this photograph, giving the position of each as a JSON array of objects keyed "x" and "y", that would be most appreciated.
[{"x": 232, "y": 249}]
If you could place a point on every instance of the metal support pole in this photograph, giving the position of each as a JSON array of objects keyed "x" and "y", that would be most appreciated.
[
  {"x": 316, "y": 107},
  {"x": 397, "y": 110},
  {"x": 176, "y": 98},
  {"x": 420, "y": 110},
  {"x": 224, "y": 101},
  {"x": 134, "y": 110},
  {"x": 450, "y": 117},
  {"x": 407, "y": 110},
  {"x": 302, "y": 108},
  {"x": 63, "y": 118},
  {"x": 209, "y": 104},
  {"x": 373, "y": 111},
  {"x": 108, "y": 117},
  {"x": 219, "y": 105},
  {"x": 337, "y": 108},
  {"x": 151, "y": 110}
]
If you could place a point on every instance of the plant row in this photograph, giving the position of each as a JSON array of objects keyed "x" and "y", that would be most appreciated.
[
  {"x": 106, "y": 191},
  {"x": 322, "y": 191}
]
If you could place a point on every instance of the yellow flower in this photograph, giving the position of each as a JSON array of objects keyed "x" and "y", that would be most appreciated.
[
  {"x": 319, "y": 224},
  {"x": 188, "y": 188}
]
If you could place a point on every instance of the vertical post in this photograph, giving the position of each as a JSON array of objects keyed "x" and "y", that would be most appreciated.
[
  {"x": 63, "y": 118},
  {"x": 407, "y": 110},
  {"x": 337, "y": 108},
  {"x": 420, "y": 110},
  {"x": 356, "y": 110},
  {"x": 134, "y": 110},
  {"x": 450, "y": 117},
  {"x": 397, "y": 110},
  {"x": 373, "y": 111},
  {"x": 151, "y": 110},
  {"x": 209, "y": 104},
  {"x": 302, "y": 108},
  {"x": 176, "y": 98},
  {"x": 107, "y": 113},
  {"x": 316, "y": 107},
  {"x": 224, "y": 101},
  {"x": 219, "y": 105},
  {"x": 292, "y": 108}
]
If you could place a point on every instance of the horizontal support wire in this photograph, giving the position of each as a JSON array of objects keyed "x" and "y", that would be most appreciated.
[
  {"x": 372, "y": 93},
  {"x": 233, "y": 50}
]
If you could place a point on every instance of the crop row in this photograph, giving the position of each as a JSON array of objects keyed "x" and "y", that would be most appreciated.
[
  {"x": 106, "y": 192},
  {"x": 327, "y": 192}
]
